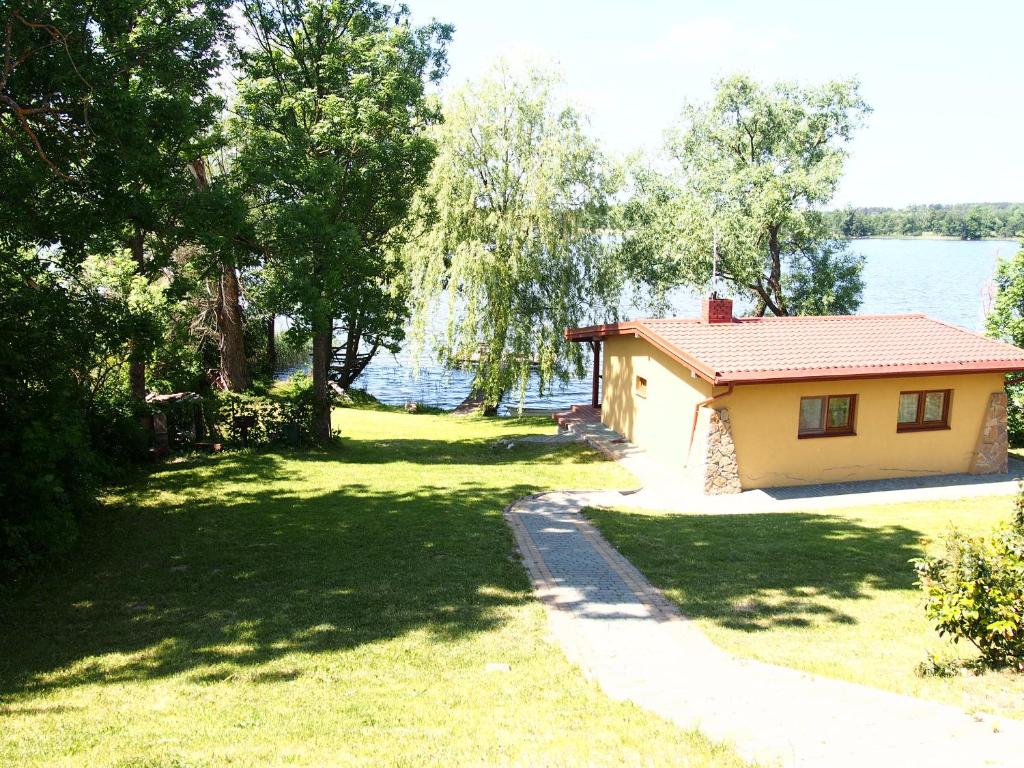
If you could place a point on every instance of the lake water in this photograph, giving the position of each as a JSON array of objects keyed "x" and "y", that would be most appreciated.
[{"x": 949, "y": 280}]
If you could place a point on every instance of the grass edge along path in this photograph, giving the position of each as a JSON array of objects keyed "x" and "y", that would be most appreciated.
[
  {"x": 830, "y": 593},
  {"x": 355, "y": 606}
]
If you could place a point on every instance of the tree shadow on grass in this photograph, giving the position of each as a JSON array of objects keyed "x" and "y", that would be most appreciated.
[
  {"x": 755, "y": 572},
  {"x": 509, "y": 449},
  {"x": 216, "y": 566},
  {"x": 386, "y": 450}
]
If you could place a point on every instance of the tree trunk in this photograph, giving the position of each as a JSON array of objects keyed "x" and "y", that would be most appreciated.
[
  {"x": 321, "y": 396},
  {"x": 137, "y": 364},
  {"x": 234, "y": 368},
  {"x": 778, "y": 305},
  {"x": 476, "y": 402},
  {"x": 767, "y": 288},
  {"x": 347, "y": 364},
  {"x": 271, "y": 347}
]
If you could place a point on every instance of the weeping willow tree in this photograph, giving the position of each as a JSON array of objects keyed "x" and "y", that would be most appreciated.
[{"x": 512, "y": 239}]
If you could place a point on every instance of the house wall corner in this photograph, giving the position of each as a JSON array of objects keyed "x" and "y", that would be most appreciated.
[
  {"x": 721, "y": 469},
  {"x": 990, "y": 453}
]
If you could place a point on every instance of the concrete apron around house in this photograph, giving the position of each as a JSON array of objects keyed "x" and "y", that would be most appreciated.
[
  {"x": 671, "y": 491},
  {"x": 637, "y": 646}
]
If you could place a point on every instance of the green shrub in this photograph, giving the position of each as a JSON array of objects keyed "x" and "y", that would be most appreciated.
[
  {"x": 935, "y": 666},
  {"x": 1015, "y": 413},
  {"x": 115, "y": 427},
  {"x": 297, "y": 388},
  {"x": 975, "y": 592},
  {"x": 48, "y": 478},
  {"x": 286, "y": 412},
  {"x": 48, "y": 336}
]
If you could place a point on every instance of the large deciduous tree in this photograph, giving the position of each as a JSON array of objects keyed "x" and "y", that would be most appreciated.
[
  {"x": 512, "y": 225},
  {"x": 154, "y": 112},
  {"x": 331, "y": 130},
  {"x": 102, "y": 108},
  {"x": 49, "y": 60},
  {"x": 750, "y": 170}
]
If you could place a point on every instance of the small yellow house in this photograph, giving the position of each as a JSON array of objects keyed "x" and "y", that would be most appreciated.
[{"x": 775, "y": 401}]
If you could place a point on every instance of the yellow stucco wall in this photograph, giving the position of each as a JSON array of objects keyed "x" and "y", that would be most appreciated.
[
  {"x": 765, "y": 418},
  {"x": 660, "y": 422},
  {"x": 764, "y": 428}
]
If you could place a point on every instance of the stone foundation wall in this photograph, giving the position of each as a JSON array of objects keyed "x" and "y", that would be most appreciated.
[
  {"x": 990, "y": 453},
  {"x": 721, "y": 472}
]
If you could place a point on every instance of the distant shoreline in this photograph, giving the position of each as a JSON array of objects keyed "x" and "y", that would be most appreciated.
[{"x": 939, "y": 237}]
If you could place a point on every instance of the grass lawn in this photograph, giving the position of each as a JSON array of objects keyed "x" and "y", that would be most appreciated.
[
  {"x": 316, "y": 608},
  {"x": 828, "y": 592}
]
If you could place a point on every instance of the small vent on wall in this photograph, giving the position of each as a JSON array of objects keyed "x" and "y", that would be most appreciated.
[{"x": 641, "y": 386}]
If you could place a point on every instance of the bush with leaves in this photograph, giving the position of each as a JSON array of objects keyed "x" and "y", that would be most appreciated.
[
  {"x": 276, "y": 414},
  {"x": 56, "y": 334},
  {"x": 975, "y": 592}
]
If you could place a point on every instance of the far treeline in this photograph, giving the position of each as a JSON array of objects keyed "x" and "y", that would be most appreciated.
[{"x": 968, "y": 221}]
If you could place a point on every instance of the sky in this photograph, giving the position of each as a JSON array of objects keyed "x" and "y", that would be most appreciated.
[{"x": 945, "y": 79}]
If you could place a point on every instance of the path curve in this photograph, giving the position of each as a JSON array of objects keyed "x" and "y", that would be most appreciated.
[{"x": 634, "y": 642}]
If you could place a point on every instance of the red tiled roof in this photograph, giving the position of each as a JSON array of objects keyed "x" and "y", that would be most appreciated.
[{"x": 762, "y": 349}]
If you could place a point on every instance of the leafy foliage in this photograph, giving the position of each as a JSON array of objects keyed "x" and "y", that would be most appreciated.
[
  {"x": 749, "y": 169},
  {"x": 104, "y": 106},
  {"x": 48, "y": 476},
  {"x": 512, "y": 219},
  {"x": 56, "y": 337},
  {"x": 101, "y": 108},
  {"x": 826, "y": 281},
  {"x": 292, "y": 352},
  {"x": 1006, "y": 322},
  {"x": 975, "y": 592}
]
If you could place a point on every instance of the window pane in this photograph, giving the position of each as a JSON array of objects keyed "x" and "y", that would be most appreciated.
[
  {"x": 838, "y": 412},
  {"x": 933, "y": 406},
  {"x": 908, "y": 408},
  {"x": 812, "y": 414}
]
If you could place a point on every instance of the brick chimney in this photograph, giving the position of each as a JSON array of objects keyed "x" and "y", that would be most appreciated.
[{"x": 714, "y": 310}]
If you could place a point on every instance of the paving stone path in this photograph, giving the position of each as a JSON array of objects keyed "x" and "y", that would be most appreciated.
[{"x": 634, "y": 642}]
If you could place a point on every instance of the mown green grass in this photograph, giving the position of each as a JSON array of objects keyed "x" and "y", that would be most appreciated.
[
  {"x": 830, "y": 592},
  {"x": 316, "y": 608}
]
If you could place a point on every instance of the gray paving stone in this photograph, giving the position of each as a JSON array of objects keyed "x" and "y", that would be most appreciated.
[{"x": 634, "y": 642}]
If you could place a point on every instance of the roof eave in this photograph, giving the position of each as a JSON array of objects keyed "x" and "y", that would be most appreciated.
[
  {"x": 873, "y": 372},
  {"x": 640, "y": 330}
]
